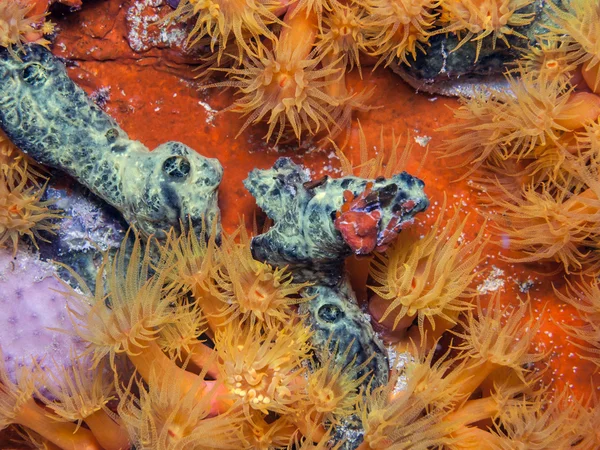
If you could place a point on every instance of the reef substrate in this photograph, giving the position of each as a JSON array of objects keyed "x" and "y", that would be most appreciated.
[{"x": 148, "y": 87}]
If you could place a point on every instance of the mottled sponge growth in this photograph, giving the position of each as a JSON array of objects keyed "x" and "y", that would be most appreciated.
[
  {"x": 52, "y": 120},
  {"x": 318, "y": 223}
]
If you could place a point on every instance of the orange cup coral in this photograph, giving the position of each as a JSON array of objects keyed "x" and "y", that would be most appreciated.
[
  {"x": 426, "y": 280},
  {"x": 22, "y": 212},
  {"x": 478, "y": 19},
  {"x": 577, "y": 27},
  {"x": 16, "y": 28}
]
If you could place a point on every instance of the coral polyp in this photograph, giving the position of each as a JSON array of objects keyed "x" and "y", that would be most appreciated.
[
  {"x": 193, "y": 259},
  {"x": 16, "y": 24},
  {"x": 477, "y": 19},
  {"x": 23, "y": 212},
  {"x": 250, "y": 290},
  {"x": 15, "y": 164},
  {"x": 552, "y": 58},
  {"x": 400, "y": 423},
  {"x": 264, "y": 370},
  {"x": 79, "y": 395},
  {"x": 426, "y": 279},
  {"x": 546, "y": 227},
  {"x": 343, "y": 34},
  {"x": 540, "y": 113},
  {"x": 332, "y": 390},
  {"x": 498, "y": 341},
  {"x": 160, "y": 417},
  {"x": 218, "y": 22},
  {"x": 17, "y": 406},
  {"x": 181, "y": 336},
  {"x": 126, "y": 312},
  {"x": 399, "y": 28},
  {"x": 577, "y": 27},
  {"x": 286, "y": 89}
]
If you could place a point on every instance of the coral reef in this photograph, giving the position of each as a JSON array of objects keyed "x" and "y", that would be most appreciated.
[
  {"x": 52, "y": 120},
  {"x": 292, "y": 72},
  {"x": 489, "y": 346}
]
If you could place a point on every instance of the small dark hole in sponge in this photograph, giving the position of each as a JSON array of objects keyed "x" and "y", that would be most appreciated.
[
  {"x": 34, "y": 74},
  {"x": 112, "y": 135},
  {"x": 330, "y": 313}
]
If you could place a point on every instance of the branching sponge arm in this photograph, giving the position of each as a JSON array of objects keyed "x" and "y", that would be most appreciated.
[{"x": 52, "y": 120}]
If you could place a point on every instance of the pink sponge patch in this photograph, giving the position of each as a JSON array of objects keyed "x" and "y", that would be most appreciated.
[{"x": 31, "y": 304}]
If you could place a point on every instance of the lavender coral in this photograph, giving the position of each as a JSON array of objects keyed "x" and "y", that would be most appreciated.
[{"x": 32, "y": 308}]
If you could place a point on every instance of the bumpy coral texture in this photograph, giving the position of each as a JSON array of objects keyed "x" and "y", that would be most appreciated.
[{"x": 32, "y": 308}]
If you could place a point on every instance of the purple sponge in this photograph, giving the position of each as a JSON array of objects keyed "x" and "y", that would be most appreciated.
[{"x": 30, "y": 303}]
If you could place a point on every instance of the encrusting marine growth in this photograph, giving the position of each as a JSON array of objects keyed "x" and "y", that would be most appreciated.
[
  {"x": 329, "y": 219},
  {"x": 191, "y": 338}
]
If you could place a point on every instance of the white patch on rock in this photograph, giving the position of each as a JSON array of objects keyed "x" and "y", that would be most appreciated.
[
  {"x": 493, "y": 282},
  {"x": 422, "y": 140}
]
